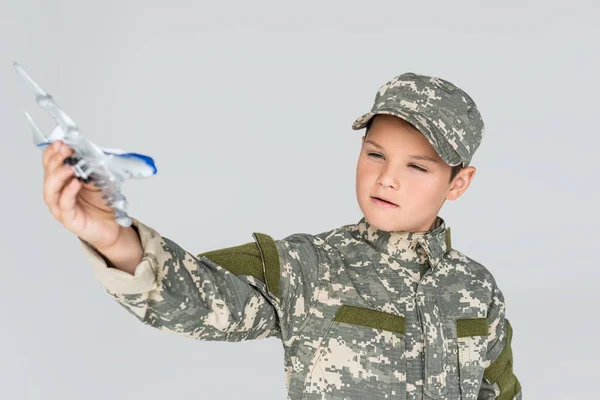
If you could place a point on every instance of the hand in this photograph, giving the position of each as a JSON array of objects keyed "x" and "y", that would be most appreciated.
[{"x": 78, "y": 206}]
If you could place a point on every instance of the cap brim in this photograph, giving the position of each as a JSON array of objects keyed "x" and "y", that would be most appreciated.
[{"x": 362, "y": 121}]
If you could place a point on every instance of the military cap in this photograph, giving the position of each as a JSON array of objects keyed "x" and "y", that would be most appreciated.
[{"x": 445, "y": 114}]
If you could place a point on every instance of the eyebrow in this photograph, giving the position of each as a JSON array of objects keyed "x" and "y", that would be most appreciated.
[{"x": 414, "y": 156}]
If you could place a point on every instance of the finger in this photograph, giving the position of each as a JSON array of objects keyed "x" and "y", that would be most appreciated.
[
  {"x": 67, "y": 201},
  {"x": 54, "y": 185},
  {"x": 54, "y": 156},
  {"x": 58, "y": 159},
  {"x": 52, "y": 165},
  {"x": 53, "y": 188},
  {"x": 49, "y": 152}
]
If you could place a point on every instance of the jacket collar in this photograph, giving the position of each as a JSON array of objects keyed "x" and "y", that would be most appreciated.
[{"x": 419, "y": 247}]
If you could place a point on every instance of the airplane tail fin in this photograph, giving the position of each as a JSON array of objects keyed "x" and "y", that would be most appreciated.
[
  {"x": 46, "y": 101},
  {"x": 38, "y": 137}
]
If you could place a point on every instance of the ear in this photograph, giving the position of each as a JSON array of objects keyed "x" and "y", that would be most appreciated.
[{"x": 461, "y": 183}]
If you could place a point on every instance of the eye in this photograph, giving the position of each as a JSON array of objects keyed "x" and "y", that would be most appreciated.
[
  {"x": 418, "y": 168},
  {"x": 377, "y": 155}
]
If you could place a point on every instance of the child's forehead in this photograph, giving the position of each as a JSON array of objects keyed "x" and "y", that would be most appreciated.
[{"x": 415, "y": 143}]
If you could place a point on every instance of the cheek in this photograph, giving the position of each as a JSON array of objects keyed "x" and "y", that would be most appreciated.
[
  {"x": 363, "y": 178},
  {"x": 366, "y": 169},
  {"x": 423, "y": 187},
  {"x": 431, "y": 188},
  {"x": 365, "y": 173}
]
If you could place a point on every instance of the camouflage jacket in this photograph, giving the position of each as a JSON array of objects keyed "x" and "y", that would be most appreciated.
[{"x": 361, "y": 313}]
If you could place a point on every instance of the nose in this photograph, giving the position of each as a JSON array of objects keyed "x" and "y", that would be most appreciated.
[{"x": 388, "y": 179}]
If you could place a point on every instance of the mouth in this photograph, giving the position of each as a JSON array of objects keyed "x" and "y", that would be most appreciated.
[{"x": 383, "y": 201}]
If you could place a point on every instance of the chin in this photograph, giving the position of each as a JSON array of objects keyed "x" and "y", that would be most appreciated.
[{"x": 381, "y": 220}]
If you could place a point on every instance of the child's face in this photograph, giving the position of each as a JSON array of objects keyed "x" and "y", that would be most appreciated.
[{"x": 391, "y": 173}]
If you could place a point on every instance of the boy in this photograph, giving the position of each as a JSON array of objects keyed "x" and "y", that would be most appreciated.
[{"x": 381, "y": 309}]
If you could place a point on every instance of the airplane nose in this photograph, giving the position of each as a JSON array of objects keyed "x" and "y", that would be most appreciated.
[
  {"x": 146, "y": 172},
  {"x": 149, "y": 171}
]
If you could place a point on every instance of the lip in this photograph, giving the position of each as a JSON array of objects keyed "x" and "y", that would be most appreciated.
[{"x": 382, "y": 203}]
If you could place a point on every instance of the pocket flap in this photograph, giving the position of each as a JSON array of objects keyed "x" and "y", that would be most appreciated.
[
  {"x": 472, "y": 327},
  {"x": 371, "y": 318}
]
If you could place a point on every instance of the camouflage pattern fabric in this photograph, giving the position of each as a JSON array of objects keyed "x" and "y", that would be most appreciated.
[{"x": 361, "y": 313}]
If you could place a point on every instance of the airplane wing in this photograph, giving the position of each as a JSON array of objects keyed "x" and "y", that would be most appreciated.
[{"x": 108, "y": 169}]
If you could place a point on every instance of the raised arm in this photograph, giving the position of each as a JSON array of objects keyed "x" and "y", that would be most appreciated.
[{"x": 220, "y": 297}]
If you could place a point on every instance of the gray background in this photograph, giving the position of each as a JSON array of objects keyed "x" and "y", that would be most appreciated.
[{"x": 246, "y": 108}]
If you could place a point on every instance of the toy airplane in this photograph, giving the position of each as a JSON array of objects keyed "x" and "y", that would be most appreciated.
[{"x": 108, "y": 168}]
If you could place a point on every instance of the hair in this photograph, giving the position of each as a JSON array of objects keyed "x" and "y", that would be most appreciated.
[{"x": 455, "y": 169}]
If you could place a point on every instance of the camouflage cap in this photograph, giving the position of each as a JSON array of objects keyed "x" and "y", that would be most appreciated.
[{"x": 445, "y": 114}]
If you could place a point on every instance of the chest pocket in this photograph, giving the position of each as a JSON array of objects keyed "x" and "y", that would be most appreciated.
[
  {"x": 472, "y": 340},
  {"x": 361, "y": 357}
]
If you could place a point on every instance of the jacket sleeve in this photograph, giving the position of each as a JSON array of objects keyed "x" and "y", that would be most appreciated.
[
  {"x": 219, "y": 295},
  {"x": 499, "y": 381}
]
